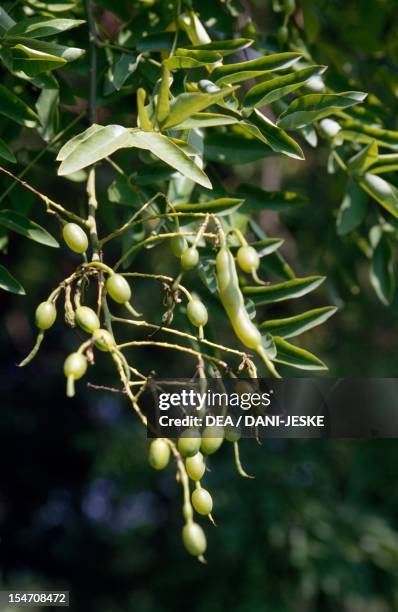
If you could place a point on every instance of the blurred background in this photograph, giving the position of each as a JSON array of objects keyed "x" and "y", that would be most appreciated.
[{"x": 317, "y": 529}]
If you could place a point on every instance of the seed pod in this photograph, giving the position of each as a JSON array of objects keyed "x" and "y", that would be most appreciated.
[
  {"x": 118, "y": 288},
  {"x": 197, "y": 313},
  {"x": 202, "y": 501},
  {"x": 45, "y": 315},
  {"x": 190, "y": 258},
  {"x": 75, "y": 366},
  {"x": 103, "y": 340},
  {"x": 232, "y": 434},
  {"x": 195, "y": 466},
  {"x": 159, "y": 454},
  {"x": 248, "y": 258},
  {"x": 87, "y": 319},
  {"x": 212, "y": 438},
  {"x": 194, "y": 539},
  {"x": 75, "y": 237},
  {"x": 178, "y": 245},
  {"x": 189, "y": 442},
  {"x": 232, "y": 299}
]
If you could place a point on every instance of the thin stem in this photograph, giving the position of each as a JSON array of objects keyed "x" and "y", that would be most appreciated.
[
  {"x": 50, "y": 204},
  {"x": 176, "y": 347},
  {"x": 39, "y": 156},
  {"x": 154, "y": 238},
  {"x": 160, "y": 277},
  {"x": 93, "y": 61},
  {"x": 132, "y": 222},
  {"x": 177, "y": 332},
  {"x": 92, "y": 211}
]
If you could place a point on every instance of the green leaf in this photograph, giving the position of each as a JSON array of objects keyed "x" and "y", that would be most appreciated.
[
  {"x": 187, "y": 104},
  {"x": 204, "y": 120},
  {"x": 360, "y": 162},
  {"x": 279, "y": 86},
  {"x": 9, "y": 283},
  {"x": 288, "y": 354},
  {"x": 225, "y": 47},
  {"x": 120, "y": 71},
  {"x": 165, "y": 149},
  {"x": 47, "y": 106},
  {"x": 219, "y": 206},
  {"x": 74, "y": 142},
  {"x": 294, "y": 326},
  {"x": 22, "y": 225},
  {"x": 383, "y": 192},
  {"x": 16, "y": 109},
  {"x": 262, "y": 128},
  {"x": 6, "y": 22},
  {"x": 6, "y": 152},
  {"x": 204, "y": 57},
  {"x": 257, "y": 199},
  {"x": 361, "y": 133},
  {"x": 385, "y": 163},
  {"x": 121, "y": 192},
  {"x": 313, "y": 107},
  {"x": 178, "y": 62},
  {"x": 382, "y": 274},
  {"x": 288, "y": 290},
  {"x": 39, "y": 27},
  {"x": 35, "y": 56},
  {"x": 92, "y": 145},
  {"x": 233, "y": 73},
  {"x": 234, "y": 148},
  {"x": 352, "y": 209}
]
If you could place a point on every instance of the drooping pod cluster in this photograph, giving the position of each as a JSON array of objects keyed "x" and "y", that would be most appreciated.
[
  {"x": 192, "y": 450},
  {"x": 194, "y": 447}
]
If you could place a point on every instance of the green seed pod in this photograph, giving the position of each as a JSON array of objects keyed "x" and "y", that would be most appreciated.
[
  {"x": 289, "y": 6},
  {"x": 118, "y": 288},
  {"x": 87, "y": 319},
  {"x": 159, "y": 454},
  {"x": 248, "y": 258},
  {"x": 202, "y": 501},
  {"x": 75, "y": 365},
  {"x": 103, "y": 340},
  {"x": 232, "y": 434},
  {"x": 178, "y": 245},
  {"x": 194, "y": 539},
  {"x": 190, "y": 258},
  {"x": 195, "y": 466},
  {"x": 282, "y": 35},
  {"x": 45, "y": 315},
  {"x": 197, "y": 313},
  {"x": 75, "y": 237},
  {"x": 212, "y": 438},
  {"x": 189, "y": 442}
]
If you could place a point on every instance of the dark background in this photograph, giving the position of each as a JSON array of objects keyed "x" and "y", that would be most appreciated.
[{"x": 316, "y": 530}]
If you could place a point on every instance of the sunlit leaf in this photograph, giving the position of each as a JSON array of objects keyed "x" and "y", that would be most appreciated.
[
  {"x": 277, "y": 87},
  {"x": 291, "y": 289},
  {"x": 294, "y": 326},
  {"x": 313, "y": 107},
  {"x": 39, "y": 27},
  {"x": 234, "y": 73},
  {"x": 293, "y": 356}
]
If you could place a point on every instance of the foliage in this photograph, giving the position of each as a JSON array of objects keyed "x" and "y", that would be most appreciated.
[{"x": 179, "y": 98}]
